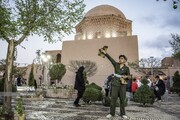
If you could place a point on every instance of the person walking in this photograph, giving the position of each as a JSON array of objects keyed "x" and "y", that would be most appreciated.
[
  {"x": 118, "y": 84},
  {"x": 35, "y": 84},
  {"x": 18, "y": 81},
  {"x": 79, "y": 85}
]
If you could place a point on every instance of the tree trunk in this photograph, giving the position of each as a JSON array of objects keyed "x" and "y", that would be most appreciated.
[{"x": 8, "y": 75}]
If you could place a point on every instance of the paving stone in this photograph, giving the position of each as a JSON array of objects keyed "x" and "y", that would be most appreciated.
[{"x": 63, "y": 109}]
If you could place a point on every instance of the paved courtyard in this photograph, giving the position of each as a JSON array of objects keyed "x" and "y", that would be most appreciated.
[{"x": 63, "y": 109}]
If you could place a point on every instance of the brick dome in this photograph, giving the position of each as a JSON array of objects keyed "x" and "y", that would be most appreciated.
[{"x": 104, "y": 10}]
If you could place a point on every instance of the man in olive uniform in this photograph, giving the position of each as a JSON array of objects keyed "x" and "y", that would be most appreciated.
[{"x": 118, "y": 84}]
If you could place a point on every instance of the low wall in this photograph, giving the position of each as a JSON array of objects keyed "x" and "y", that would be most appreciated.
[{"x": 59, "y": 93}]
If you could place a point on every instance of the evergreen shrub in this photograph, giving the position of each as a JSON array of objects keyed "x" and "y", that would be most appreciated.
[
  {"x": 93, "y": 85},
  {"x": 92, "y": 93},
  {"x": 19, "y": 107},
  {"x": 176, "y": 83},
  {"x": 144, "y": 94},
  {"x": 57, "y": 71}
]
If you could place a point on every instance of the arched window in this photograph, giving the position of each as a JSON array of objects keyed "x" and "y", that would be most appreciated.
[
  {"x": 58, "y": 58},
  {"x": 98, "y": 35}
]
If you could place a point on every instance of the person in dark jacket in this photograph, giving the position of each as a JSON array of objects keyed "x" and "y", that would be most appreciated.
[
  {"x": 159, "y": 88},
  {"x": 35, "y": 84},
  {"x": 79, "y": 85},
  {"x": 107, "y": 85},
  {"x": 128, "y": 90},
  {"x": 18, "y": 81}
]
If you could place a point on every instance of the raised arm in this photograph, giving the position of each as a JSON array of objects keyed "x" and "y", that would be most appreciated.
[{"x": 109, "y": 57}]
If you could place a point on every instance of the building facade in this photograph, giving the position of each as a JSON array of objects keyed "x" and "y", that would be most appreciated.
[
  {"x": 169, "y": 66},
  {"x": 103, "y": 25}
]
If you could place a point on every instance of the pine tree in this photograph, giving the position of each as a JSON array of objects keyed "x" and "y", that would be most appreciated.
[
  {"x": 144, "y": 94},
  {"x": 31, "y": 76}
]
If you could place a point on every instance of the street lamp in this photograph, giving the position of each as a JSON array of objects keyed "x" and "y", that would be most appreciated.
[
  {"x": 151, "y": 62},
  {"x": 46, "y": 59}
]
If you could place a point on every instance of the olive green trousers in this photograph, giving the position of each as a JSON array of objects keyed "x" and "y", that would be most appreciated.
[{"x": 118, "y": 91}]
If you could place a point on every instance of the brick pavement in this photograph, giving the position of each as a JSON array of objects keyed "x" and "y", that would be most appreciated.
[{"x": 63, "y": 109}]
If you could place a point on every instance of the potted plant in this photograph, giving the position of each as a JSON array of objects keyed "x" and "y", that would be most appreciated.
[{"x": 20, "y": 110}]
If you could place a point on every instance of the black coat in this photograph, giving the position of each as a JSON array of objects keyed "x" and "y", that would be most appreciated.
[
  {"x": 79, "y": 81},
  {"x": 128, "y": 86},
  {"x": 18, "y": 81},
  {"x": 161, "y": 87}
]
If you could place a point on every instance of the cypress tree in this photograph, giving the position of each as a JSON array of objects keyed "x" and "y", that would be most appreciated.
[
  {"x": 31, "y": 76},
  {"x": 176, "y": 82}
]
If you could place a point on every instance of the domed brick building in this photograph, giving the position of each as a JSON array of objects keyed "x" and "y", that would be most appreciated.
[{"x": 103, "y": 25}]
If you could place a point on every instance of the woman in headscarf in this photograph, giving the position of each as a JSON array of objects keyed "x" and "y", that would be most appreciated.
[{"x": 79, "y": 85}]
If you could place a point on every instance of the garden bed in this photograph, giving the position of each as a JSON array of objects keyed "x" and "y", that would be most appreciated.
[{"x": 59, "y": 93}]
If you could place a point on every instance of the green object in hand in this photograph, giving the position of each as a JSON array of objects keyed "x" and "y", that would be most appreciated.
[{"x": 100, "y": 51}]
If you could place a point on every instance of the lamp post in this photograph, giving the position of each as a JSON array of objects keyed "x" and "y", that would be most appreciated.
[
  {"x": 46, "y": 59},
  {"x": 151, "y": 62}
]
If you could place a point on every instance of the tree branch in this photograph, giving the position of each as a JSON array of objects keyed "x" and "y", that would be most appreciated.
[{"x": 4, "y": 36}]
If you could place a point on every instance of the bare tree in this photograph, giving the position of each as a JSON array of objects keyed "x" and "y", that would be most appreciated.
[
  {"x": 90, "y": 67},
  {"x": 20, "y": 71},
  {"x": 16, "y": 70},
  {"x": 150, "y": 62},
  {"x": 146, "y": 63}
]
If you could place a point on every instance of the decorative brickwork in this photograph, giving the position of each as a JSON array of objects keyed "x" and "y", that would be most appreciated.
[{"x": 103, "y": 27}]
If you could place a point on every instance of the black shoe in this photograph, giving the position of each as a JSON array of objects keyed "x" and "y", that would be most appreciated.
[{"x": 77, "y": 105}]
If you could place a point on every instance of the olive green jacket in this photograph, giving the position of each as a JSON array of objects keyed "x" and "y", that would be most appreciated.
[{"x": 120, "y": 71}]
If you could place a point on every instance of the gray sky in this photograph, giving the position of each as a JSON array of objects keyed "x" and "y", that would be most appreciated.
[{"x": 152, "y": 21}]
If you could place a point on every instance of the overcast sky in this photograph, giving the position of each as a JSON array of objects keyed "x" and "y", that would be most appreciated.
[{"x": 152, "y": 21}]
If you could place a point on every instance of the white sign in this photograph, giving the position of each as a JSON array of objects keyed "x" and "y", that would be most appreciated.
[{"x": 25, "y": 88}]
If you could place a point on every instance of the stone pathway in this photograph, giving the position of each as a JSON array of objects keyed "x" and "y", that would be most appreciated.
[
  {"x": 170, "y": 106},
  {"x": 63, "y": 109}
]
